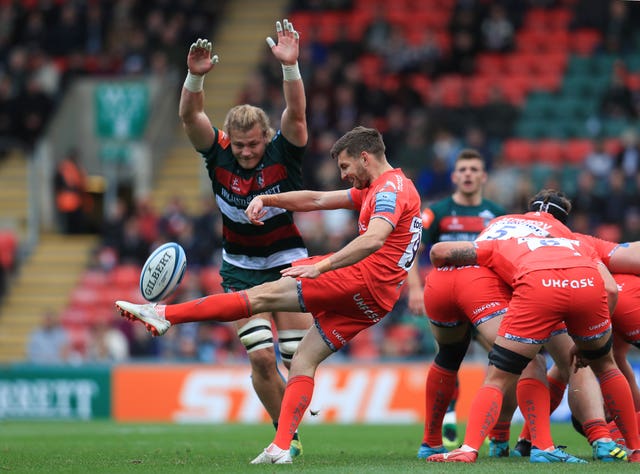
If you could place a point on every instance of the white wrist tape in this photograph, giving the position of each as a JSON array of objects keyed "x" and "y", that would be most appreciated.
[
  {"x": 291, "y": 73},
  {"x": 193, "y": 82}
]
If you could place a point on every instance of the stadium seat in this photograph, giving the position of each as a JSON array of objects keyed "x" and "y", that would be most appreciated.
[
  {"x": 576, "y": 150},
  {"x": 549, "y": 151},
  {"x": 95, "y": 279},
  {"x": 490, "y": 64},
  {"x": 579, "y": 66},
  {"x": 569, "y": 178},
  {"x": 126, "y": 275},
  {"x": 530, "y": 129},
  {"x": 542, "y": 175},
  {"x": 518, "y": 151},
  {"x": 210, "y": 280},
  {"x": 584, "y": 41},
  {"x": 8, "y": 249}
]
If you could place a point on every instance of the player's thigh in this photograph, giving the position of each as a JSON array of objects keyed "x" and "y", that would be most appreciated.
[
  {"x": 488, "y": 330},
  {"x": 449, "y": 335},
  {"x": 286, "y": 320},
  {"x": 312, "y": 351}
]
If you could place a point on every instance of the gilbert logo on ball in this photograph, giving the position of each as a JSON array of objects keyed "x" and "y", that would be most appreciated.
[{"x": 163, "y": 272}]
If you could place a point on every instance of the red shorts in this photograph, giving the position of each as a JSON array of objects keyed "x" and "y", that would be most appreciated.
[
  {"x": 626, "y": 317},
  {"x": 457, "y": 295},
  {"x": 543, "y": 299},
  {"x": 340, "y": 303}
]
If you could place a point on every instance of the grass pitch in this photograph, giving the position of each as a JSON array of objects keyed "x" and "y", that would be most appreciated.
[{"x": 108, "y": 447}]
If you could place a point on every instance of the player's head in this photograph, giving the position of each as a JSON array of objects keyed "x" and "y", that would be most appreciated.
[
  {"x": 354, "y": 151},
  {"x": 554, "y": 202},
  {"x": 469, "y": 174},
  {"x": 249, "y": 131}
]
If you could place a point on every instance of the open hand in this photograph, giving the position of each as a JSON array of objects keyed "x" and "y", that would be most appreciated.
[
  {"x": 301, "y": 271},
  {"x": 200, "y": 59},
  {"x": 288, "y": 46}
]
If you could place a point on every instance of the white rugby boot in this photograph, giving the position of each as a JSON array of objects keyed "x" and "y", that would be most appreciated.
[
  {"x": 155, "y": 322},
  {"x": 273, "y": 455}
]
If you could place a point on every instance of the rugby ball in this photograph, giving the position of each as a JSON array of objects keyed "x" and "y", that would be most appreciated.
[{"x": 163, "y": 272}]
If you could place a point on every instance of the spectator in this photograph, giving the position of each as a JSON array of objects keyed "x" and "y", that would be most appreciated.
[
  {"x": 599, "y": 162},
  {"x": 618, "y": 29},
  {"x": 72, "y": 200},
  {"x": 628, "y": 158},
  {"x": 49, "y": 343},
  {"x": 617, "y": 101},
  {"x": 107, "y": 343},
  {"x": 33, "y": 108},
  {"x": 497, "y": 116},
  {"x": 378, "y": 31},
  {"x": 498, "y": 30}
]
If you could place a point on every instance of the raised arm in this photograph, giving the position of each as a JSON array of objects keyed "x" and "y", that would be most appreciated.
[
  {"x": 298, "y": 201},
  {"x": 191, "y": 108},
  {"x": 293, "y": 123},
  {"x": 356, "y": 250},
  {"x": 453, "y": 253}
]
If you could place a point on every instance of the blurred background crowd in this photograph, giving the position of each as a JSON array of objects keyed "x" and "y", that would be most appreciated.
[{"x": 547, "y": 90}]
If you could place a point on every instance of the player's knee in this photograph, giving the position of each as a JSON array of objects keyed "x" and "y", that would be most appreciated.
[
  {"x": 288, "y": 342},
  {"x": 594, "y": 354},
  {"x": 507, "y": 360},
  {"x": 256, "y": 335},
  {"x": 450, "y": 356}
]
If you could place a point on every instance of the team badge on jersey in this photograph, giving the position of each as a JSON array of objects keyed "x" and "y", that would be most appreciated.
[{"x": 385, "y": 202}]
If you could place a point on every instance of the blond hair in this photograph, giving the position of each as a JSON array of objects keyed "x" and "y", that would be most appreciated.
[{"x": 245, "y": 117}]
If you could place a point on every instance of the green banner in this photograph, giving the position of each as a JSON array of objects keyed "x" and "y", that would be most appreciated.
[
  {"x": 121, "y": 110},
  {"x": 55, "y": 392}
]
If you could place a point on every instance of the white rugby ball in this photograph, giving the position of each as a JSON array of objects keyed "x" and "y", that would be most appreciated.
[{"x": 163, "y": 272}]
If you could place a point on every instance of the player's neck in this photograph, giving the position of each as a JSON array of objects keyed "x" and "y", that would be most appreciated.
[{"x": 462, "y": 199}]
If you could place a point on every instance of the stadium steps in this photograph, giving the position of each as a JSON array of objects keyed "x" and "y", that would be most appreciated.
[
  {"x": 240, "y": 43},
  {"x": 14, "y": 201},
  {"x": 43, "y": 282}
]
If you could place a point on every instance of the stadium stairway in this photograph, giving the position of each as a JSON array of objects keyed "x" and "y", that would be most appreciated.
[
  {"x": 14, "y": 193},
  {"x": 43, "y": 282},
  {"x": 240, "y": 43}
]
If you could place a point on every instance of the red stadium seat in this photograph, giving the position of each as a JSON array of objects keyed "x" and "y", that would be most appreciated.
[
  {"x": 210, "y": 280},
  {"x": 549, "y": 151},
  {"x": 518, "y": 151},
  {"x": 126, "y": 275},
  {"x": 584, "y": 41},
  {"x": 488, "y": 64},
  {"x": 577, "y": 149},
  {"x": 8, "y": 249}
]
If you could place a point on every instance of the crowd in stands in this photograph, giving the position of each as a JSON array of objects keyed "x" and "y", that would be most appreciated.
[
  {"x": 389, "y": 65},
  {"x": 44, "y": 46}
]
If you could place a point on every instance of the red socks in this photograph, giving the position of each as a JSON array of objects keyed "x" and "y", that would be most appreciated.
[
  {"x": 595, "y": 429},
  {"x": 223, "y": 307},
  {"x": 440, "y": 388},
  {"x": 483, "y": 415},
  {"x": 500, "y": 431},
  {"x": 556, "y": 391},
  {"x": 533, "y": 400},
  {"x": 619, "y": 401},
  {"x": 296, "y": 400}
]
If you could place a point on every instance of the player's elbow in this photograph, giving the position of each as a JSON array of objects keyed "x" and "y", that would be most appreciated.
[{"x": 438, "y": 255}]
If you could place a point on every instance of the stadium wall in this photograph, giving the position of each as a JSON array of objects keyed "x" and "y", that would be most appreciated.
[{"x": 344, "y": 394}]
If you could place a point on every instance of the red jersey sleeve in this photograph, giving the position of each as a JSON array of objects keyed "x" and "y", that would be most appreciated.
[{"x": 604, "y": 248}]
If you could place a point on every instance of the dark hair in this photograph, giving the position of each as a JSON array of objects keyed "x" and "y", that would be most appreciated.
[
  {"x": 469, "y": 154},
  {"x": 554, "y": 202},
  {"x": 358, "y": 140}
]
